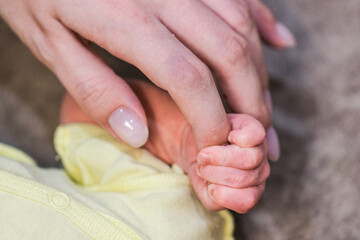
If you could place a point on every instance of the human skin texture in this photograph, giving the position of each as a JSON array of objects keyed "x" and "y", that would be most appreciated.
[
  {"x": 228, "y": 176},
  {"x": 175, "y": 43}
]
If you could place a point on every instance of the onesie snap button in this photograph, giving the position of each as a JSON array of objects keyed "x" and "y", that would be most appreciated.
[{"x": 59, "y": 200}]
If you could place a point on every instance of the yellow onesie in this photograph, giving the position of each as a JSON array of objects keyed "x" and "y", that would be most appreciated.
[{"x": 108, "y": 190}]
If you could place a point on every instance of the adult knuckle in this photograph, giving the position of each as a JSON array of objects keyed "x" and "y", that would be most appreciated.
[
  {"x": 243, "y": 20},
  {"x": 139, "y": 18},
  {"x": 190, "y": 76},
  {"x": 91, "y": 92},
  {"x": 235, "y": 51},
  {"x": 42, "y": 47},
  {"x": 128, "y": 9},
  {"x": 48, "y": 42}
]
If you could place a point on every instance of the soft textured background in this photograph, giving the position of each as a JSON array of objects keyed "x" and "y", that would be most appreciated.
[{"x": 313, "y": 192}]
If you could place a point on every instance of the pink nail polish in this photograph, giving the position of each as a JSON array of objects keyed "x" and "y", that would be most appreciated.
[
  {"x": 128, "y": 126},
  {"x": 274, "y": 145},
  {"x": 268, "y": 100},
  {"x": 285, "y": 34}
]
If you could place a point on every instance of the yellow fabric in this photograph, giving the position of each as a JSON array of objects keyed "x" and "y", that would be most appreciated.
[
  {"x": 108, "y": 190},
  {"x": 13, "y": 153}
]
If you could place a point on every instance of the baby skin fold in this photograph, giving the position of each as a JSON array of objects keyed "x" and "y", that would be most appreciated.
[{"x": 229, "y": 176}]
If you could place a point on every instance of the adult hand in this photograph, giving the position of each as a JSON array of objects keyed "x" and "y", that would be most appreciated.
[{"x": 174, "y": 43}]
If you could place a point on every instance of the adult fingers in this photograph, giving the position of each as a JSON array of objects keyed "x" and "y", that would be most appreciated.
[
  {"x": 233, "y": 177},
  {"x": 168, "y": 63},
  {"x": 239, "y": 200},
  {"x": 232, "y": 156},
  {"x": 225, "y": 50},
  {"x": 274, "y": 33},
  {"x": 93, "y": 85},
  {"x": 238, "y": 15}
]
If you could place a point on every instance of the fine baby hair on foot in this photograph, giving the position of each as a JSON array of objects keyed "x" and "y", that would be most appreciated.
[{"x": 228, "y": 176}]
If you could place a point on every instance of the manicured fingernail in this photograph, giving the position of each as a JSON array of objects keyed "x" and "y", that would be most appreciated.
[
  {"x": 285, "y": 34},
  {"x": 274, "y": 145},
  {"x": 211, "y": 189},
  {"x": 267, "y": 98},
  {"x": 128, "y": 126}
]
